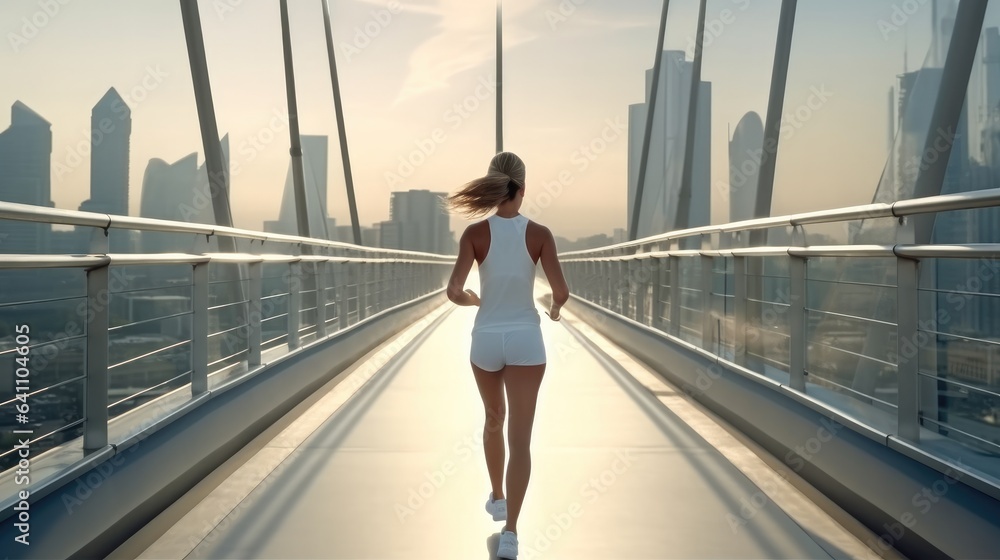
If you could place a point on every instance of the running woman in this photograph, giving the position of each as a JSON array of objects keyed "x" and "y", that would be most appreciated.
[{"x": 507, "y": 348}]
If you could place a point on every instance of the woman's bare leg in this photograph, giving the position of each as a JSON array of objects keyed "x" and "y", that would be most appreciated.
[
  {"x": 491, "y": 390},
  {"x": 522, "y": 393}
]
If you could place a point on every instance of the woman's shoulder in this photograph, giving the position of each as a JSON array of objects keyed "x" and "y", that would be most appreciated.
[
  {"x": 477, "y": 229},
  {"x": 538, "y": 229}
]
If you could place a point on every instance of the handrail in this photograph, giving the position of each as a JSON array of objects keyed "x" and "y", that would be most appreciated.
[
  {"x": 898, "y": 209},
  {"x": 905, "y": 250},
  {"x": 41, "y": 214},
  {"x": 20, "y": 261}
]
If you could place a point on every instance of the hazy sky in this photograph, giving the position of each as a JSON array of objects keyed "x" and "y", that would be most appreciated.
[{"x": 413, "y": 76}]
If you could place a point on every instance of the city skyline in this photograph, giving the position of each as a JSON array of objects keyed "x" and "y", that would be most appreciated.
[{"x": 395, "y": 104}]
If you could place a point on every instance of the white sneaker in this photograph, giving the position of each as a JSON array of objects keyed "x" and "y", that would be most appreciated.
[
  {"x": 497, "y": 508},
  {"x": 508, "y": 546}
]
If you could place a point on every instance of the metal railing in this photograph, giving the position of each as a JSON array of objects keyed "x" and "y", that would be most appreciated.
[
  {"x": 227, "y": 312},
  {"x": 858, "y": 327}
]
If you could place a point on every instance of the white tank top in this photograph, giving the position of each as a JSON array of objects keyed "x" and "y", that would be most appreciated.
[{"x": 506, "y": 278}]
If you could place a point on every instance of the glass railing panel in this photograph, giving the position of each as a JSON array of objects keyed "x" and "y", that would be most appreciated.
[
  {"x": 771, "y": 289},
  {"x": 859, "y": 299},
  {"x": 56, "y": 416},
  {"x": 840, "y": 349},
  {"x": 767, "y": 326},
  {"x": 723, "y": 319},
  {"x": 226, "y": 298},
  {"x": 274, "y": 305},
  {"x": 857, "y": 404},
  {"x": 307, "y": 311},
  {"x": 43, "y": 340},
  {"x": 862, "y": 287},
  {"x": 227, "y": 317},
  {"x": 149, "y": 350},
  {"x": 958, "y": 351},
  {"x": 332, "y": 299},
  {"x": 145, "y": 368},
  {"x": 968, "y": 416},
  {"x": 665, "y": 296},
  {"x": 767, "y": 337},
  {"x": 691, "y": 292}
]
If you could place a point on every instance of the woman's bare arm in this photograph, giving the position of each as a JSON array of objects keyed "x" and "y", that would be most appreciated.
[
  {"x": 463, "y": 264},
  {"x": 554, "y": 274}
]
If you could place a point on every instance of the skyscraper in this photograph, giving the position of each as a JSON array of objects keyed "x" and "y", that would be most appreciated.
[
  {"x": 315, "y": 165},
  {"x": 168, "y": 193},
  {"x": 667, "y": 144},
  {"x": 111, "y": 130},
  {"x": 25, "y": 177},
  {"x": 744, "y": 166},
  {"x": 110, "y": 134},
  {"x": 418, "y": 222}
]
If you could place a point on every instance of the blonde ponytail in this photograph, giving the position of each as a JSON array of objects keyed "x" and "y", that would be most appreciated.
[{"x": 501, "y": 183}]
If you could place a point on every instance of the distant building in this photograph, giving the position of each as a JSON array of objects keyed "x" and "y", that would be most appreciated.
[
  {"x": 660, "y": 209},
  {"x": 589, "y": 242},
  {"x": 745, "y": 151},
  {"x": 177, "y": 191},
  {"x": 390, "y": 234},
  {"x": 344, "y": 234},
  {"x": 167, "y": 190},
  {"x": 111, "y": 130},
  {"x": 110, "y": 133},
  {"x": 314, "y": 163},
  {"x": 977, "y": 363},
  {"x": 25, "y": 169},
  {"x": 370, "y": 237},
  {"x": 418, "y": 222},
  {"x": 72, "y": 241}
]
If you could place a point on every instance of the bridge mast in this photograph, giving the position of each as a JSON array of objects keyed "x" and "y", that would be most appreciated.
[{"x": 499, "y": 125}]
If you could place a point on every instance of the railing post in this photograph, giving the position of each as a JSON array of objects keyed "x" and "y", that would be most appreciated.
[
  {"x": 376, "y": 293},
  {"x": 95, "y": 428},
  {"x": 740, "y": 310},
  {"x": 797, "y": 324},
  {"x": 622, "y": 289},
  {"x": 255, "y": 314},
  {"x": 656, "y": 304},
  {"x": 605, "y": 275},
  {"x": 675, "y": 296},
  {"x": 907, "y": 373},
  {"x": 341, "y": 277},
  {"x": 362, "y": 279},
  {"x": 199, "y": 330},
  {"x": 294, "y": 303},
  {"x": 603, "y": 284},
  {"x": 707, "y": 286},
  {"x": 642, "y": 277},
  {"x": 319, "y": 268},
  {"x": 408, "y": 278},
  {"x": 394, "y": 284},
  {"x": 615, "y": 289}
]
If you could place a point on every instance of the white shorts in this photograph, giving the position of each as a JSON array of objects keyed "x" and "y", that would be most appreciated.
[{"x": 517, "y": 346}]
